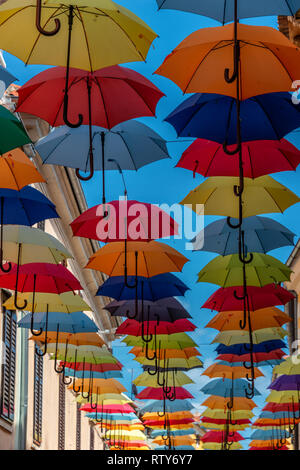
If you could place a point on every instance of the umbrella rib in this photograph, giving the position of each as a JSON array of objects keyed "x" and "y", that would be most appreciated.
[
  {"x": 250, "y": 160},
  {"x": 190, "y": 118},
  {"x": 286, "y": 158},
  {"x": 126, "y": 145},
  {"x": 268, "y": 117},
  {"x": 56, "y": 146},
  {"x": 103, "y": 102},
  {"x": 12, "y": 173},
  {"x": 86, "y": 39},
  {"x": 211, "y": 161},
  {"x": 279, "y": 60},
  {"x": 274, "y": 200}
]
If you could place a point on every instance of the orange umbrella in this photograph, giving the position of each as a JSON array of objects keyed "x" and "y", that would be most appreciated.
[
  {"x": 269, "y": 62},
  {"x": 98, "y": 386},
  {"x": 227, "y": 372},
  {"x": 263, "y": 422},
  {"x": 153, "y": 258},
  {"x": 78, "y": 339},
  {"x": 17, "y": 171},
  {"x": 239, "y": 403},
  {"x": 175, "y": 415},
  {"x": 269, "y": 443},
  {"x": 175, "y": 441},
  {"x": 186, "y": 353},
  {"x": 263, "y": 318}
]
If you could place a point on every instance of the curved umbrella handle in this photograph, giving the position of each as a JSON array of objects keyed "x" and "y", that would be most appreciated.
[
  {"x": 70, "y": 124},
  {"x": 41, "y": 354},
  {"x": 75, "y": 390},
  {"x": 92, "y": 170},
  {"x": 40, "y": 29},
  {"x": 235, "y": 150},
  {"x": 236, "y": 51},
  {"x": 32, "y": 313},
  {"x": 18, "y": 307}
]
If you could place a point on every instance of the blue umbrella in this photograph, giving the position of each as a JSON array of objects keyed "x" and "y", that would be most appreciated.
[
  {"x": 76, "y": 322},
  {"x": 128, "y": 146},
  {"x": 276, "y": 414},
  {"x": 286, "y": 382},
  {"x": 261, "y": 236},
  {"x": 271, "y": 362},
  {"x": 223, "y": 388},
  {"x": 267, "y": 435},
  {"x": 240, "y": 349},
  {"x": 170, "y": 406},
  {"x": 6, "y": 78},
  {"x": 154, "y": 288},
  {"x": 174, "y": 448},
  {"x": 172, "y": 432},
  {"x": 213, "y": 117},
  {"x": 223, "y": 10},
  {"x": 25, "y": 207}
]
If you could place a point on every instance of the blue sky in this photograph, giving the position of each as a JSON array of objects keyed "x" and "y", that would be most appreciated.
[{"x": 162, "y": 183}]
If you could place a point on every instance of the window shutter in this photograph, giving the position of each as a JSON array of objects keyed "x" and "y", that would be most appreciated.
[
  {"x": 9, "y": 325},
  {"x": 61, "y": 414},
  {"x": 38, "y": 399},
  {"x": 78, "y": 426},
  {"x": 92, "y": 437}
]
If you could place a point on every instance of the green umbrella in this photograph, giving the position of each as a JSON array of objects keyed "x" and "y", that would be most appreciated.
[
  {"x": 12, "y": 132},
  {"x": 227, "y": 271},
  {"x": 179, "y": 379},
  {"x": 175, "y": 341}
]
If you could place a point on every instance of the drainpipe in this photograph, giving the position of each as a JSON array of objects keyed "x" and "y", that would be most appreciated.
[{"x": 21, "y": 398}]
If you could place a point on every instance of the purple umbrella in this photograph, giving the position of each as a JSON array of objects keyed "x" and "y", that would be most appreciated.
[{"x": 286, "y": 382}]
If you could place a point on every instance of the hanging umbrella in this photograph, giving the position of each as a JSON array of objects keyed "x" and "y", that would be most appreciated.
[
  {"x": 223, "y": 388},
  {"x": 171, "y": 406},
  {"x": 219, "y": 446},
  {"x": 271, "y": 357},
  {"x": 222, "y": 413},
  {"x": 135, "y": 328},
  {"x": 263, "y": 49},
  {"x": 263, "y": 318},
  {"x": 258, "y": 336},
  {"x": 174, "y": 432},
  {"x": 89, "y": 28},
  {"x": 176, "y": 441},
  {"x": 167, "y": 310},
  {"x": 63, "y": 303},
  {"x": 218, "y": 370},
  {"x": 289, "y": 367},
  {"x": 286, "y": 382},
  {"x": 209, "y": 158},
  {"x": 133, "y": 221},
  {"x": 75, "y": 339},
  {"x": 154, "y": 288},
  {"x": 17, "y": 171},
  {"x": 227, "y": 271},
  {"x": 173, "y": 363},
  {"x": 101, "y": 386},
  {"x": 154, "y": 393},
  {"x": 174, "y": 341},
  {"x": 108, "y": 408},
  {"x": 74, "y": 322},
  {"x": 6, "y": 79},
  {"x": 217, "y": 436},
  {"x": 261, "y": 235},
  {"x": 110, "y": 374},
  {"x": 259, "y": 297},
  {"x": 262, "y": 195},
  {"x": 212, "y": 117},
  {"x": 242, "y": 349},
  {"x": 146, "y": 380},
  {"x": 223, "y": 10},
  {"x": 182, "y": 352},
  {"x": 12, "y": 132},
  {"x": 155, "y": 258},
  {"x": 239, "y": 404}
]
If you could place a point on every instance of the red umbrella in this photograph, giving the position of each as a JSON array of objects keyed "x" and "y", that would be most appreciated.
[
  {"x": 117, "y": 94},
  {"x": 218, "y": 436},
  {"x": 124, "y": 409},
  {"x": 224, "y": 300},
  {"x": 224, "y": 421},
  {"x": 135, "y": 328},
  {"x": 151, "y": 393},
  {"x": 161, "y": 424},
  {"x": 277, "y": 407},
  {"x": 257, "y": 357},
  {"x": 209, "y": 158},
  {"x": 120, "y": 220}
]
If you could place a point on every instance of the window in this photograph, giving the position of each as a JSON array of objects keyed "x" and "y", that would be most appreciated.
[
  {"x": 38, "y": 399},
  {"x": 92, "y": 437},
  {"x": 61, "y": 414},
  {"x": 78, "y": 426},
  {"x": 9, "y": 325}
]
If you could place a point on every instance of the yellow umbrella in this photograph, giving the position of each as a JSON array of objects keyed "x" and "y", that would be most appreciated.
[
  {"x": 65, "y": 303},
  {"x": 288, "y": 367},
  {"x": 218, "y": 446},
  {"x": 231, "y": 427},
  {"x": 258, "y": 336},
  {"x": 76, "y": 339},
  {"x": 285, "y": 396},
  {"x": 102, "y": 34},
  {"x": 177, "y": 379},
  {"x": 99, "y": 386},
  {"x": 261, "y": 195},
  {"x": 105, "y": 398},
  {"x": 223, "y": 414},
  {"x": 227, "y": 372},
  {"x": 172, "y": 362}
]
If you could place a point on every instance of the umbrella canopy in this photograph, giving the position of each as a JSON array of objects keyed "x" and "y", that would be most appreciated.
[
  {"x": 153, "y": 258},
  {"x": 258, "y": 336},
  {"x": 16, "y": 170},
  {"x": 261, "y": 235},
  {"x": 108, "y": 408},
  {"x": 289, "y": 367},
  {"x": 40, "y": 277},
  {"x": 283, "y": 396},
  {"x": 110, "y": 91},
  {"x": 263, "y": 318},
  {"x": 184, "y": 353},
  {"x": 223, "y": 388},
  {"x": 215, "y": 402},
  {"x": 172, "y": 363},
  {"x": 209, "y": 158},
  {"x": 76, "y": 322},
  {"x": 135, "y": 328},
  {"x": 131, "y": 145},
  {"x": 104, "y": 33},
  {"x": 219, "y": 370},
  {"x": 110, "y": 374},
  {"x": 175, "y": 441},
  {"x": 175, "y": 432},
  {"x": 280, "y": 407},
  {"x": 269, "y": 358},
  {"x": 218, "y": 436},
  {"x": 219, "y": 446},
  {"x": 99, "y": 386},
  {"x": 261, "y": 196},
  {"x": 24, "y": 245},
  {"x": 223, "y": 413},
  {"x": 66, "y": 302},
  {"x": 198, "y": 62},
  {"x": 170, "y": 406},
  {"x": 120, "y": 220},
  {"x": 213, "y": 118},
  {"x": 223, "y": 10},
  {"x": 154, "y": 288},
  {"x": 75, "y": 339},
  {"x": 286, "y": 382},
  {"x": 227, "y": 271},
  {"x": 179, "y": 379},
  {"x": 168, "y": 309},
  {"x": 174, "y": 341},
  {"x": 6, "y": 79},
  {"x": 154, "y": 393},
  {"x": 25, "y": 207},
  {"x": 12, "y": 134},
  {"x": 241, "y": 349},
  {"x": 95, "y": 368},
  {"x": 259, "y": 297}
]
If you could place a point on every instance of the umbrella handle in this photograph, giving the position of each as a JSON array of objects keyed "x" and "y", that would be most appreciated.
[
  {"x": 91, "y": 154},
  {"x": 32, "y": 313},
  {"x": 94, "y": 407},
  {"x": 41, "y": 354},
  {"x": 58, "y": 371},
  {"x": 236, "y": 55},
  {"x": 18, "y": 307},
  {"x": 236, "y": 150},
  {"x": 130, "y": 286},
  {"x": 3, "y": 269},
  {"x": 112, "y": 160},
  {"x": 92, "y": 171},
  {"x": 74, "y": 375},
  {"x": 40, "y": 29}
]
